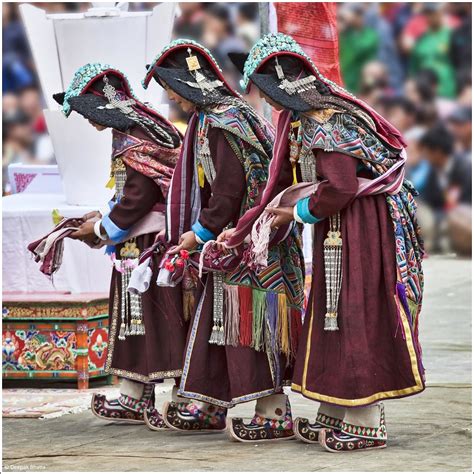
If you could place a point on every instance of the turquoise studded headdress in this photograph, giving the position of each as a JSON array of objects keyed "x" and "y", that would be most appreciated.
[
  {"x": 279, "y": 43},
  {"x": 103, "y": 95},
  {"x": 84, "y": 76}
]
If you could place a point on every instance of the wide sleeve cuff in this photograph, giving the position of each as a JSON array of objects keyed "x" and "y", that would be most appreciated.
[
  {"x": 115, "y": 233},
  {"x": 302, "y": 211},
  {"x": 202, "y": 233}
]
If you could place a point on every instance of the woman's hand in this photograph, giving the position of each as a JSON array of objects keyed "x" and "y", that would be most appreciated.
[
  {"x": 187, "y": 241},
  {"x": 225, "y": 235},
  {"x": 283, "y": 216},
  {"x": 85, "y": 232}
]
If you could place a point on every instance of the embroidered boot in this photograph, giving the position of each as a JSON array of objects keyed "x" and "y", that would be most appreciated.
[
  {"x": 362, "y": 428},
  {"x": 272, "y": 421},
  {"x": 329, "y": 416},
  {"x": 199, "y": 417},
  {"x": 129, "y": 407},
  {"x": 153, "y": 418}
]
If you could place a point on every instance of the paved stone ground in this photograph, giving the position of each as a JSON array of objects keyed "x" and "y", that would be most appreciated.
[{"x": 428, "y": 432}]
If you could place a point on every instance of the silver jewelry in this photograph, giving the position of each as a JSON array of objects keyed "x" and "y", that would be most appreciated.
[
  {"x": 97, "y": 230},
  {"x": 114, "y": 100},
  {"x": 307, "y": 160},
  {"x": 202, "y": 82},
  {"x": 296, "y": 216},
  {"x": 217, "y": 334},
  {"x": 299, "y": 85},
  {"x": 333, "y": 271},
  {"x": 296, "y": 86},
  {"x": 279, "y": 70},
  {"x": 131, "y": 310},
  {"x": 125, "y": 106}
]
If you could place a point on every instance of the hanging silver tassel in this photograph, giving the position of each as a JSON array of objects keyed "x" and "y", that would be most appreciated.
[
  {"x": 131, "y": 309},
  {"x": 328, "y": 146},
  {"x": 140, "y": 323},
  {"x": 124, "y": 328},
  {"x": 123, "y": 313},
  {"x": 333, "y": 271},
  {"x": 204, "y": 157},
  {"x": 217, "y": 334}
]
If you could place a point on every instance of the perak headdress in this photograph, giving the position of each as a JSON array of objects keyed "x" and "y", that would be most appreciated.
[
  {"x": 192, "y": 72},
  {"x": 103, "y": 95},
  {"x": 278, "y": 45}
]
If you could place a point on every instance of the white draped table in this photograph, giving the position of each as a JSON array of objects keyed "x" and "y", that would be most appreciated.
[{"x": 27, "y": 217}]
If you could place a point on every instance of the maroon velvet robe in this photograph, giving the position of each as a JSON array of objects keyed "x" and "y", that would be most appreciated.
[
  {"x": 159, "y": 353},
  {"x": 368, "y": 358},
  {"x": 222, "y": 375}
]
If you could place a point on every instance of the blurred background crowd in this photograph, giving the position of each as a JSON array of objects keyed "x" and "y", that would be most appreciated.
[{"x": 410, "y": 61}]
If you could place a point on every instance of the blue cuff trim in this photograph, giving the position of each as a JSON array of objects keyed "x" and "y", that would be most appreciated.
[
  {"x": 114, "y": 233},
  {"x": 203, "y": 233},
  {"x": 302, "y": 208}
]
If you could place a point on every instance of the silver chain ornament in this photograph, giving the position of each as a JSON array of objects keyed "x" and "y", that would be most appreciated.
[{"x": 333, "y": 271}]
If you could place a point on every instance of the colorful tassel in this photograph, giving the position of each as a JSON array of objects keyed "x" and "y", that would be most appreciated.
[
  {"x": 200, "y": 175},
  {"x": 259, "y": 306},
  {"x": 232, "y": 315},
  {"x": 272, "y": 318},
  {"x": 245, "y": 304},
  {"x": 283, "y": 326},
  {"x": 110, "y": 183}
]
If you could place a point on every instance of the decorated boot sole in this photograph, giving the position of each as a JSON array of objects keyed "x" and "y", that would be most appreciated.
[
  {"x": 123, "y": 421},
  {"x": 322, "y": 442},
  {"x": 194, "y": 430},
  {"x": 261, "y": 435},
  {"x": 299, "y": 432}
]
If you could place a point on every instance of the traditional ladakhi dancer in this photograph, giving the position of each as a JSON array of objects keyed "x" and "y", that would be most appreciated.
[
  {"x": 147, "y": 332},
  {"x": 245, "y": 324},
  {"x": 360, "y": 337}
]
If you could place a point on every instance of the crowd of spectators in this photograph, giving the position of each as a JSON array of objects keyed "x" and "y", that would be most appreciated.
[{"x": 410, "y": 61}]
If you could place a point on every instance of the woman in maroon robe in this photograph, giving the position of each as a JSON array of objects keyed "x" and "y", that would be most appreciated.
[
  {"x": 360, "y": 337},
  {"x": 146, "y": 332},
  {"x": 245, "y": 324}
]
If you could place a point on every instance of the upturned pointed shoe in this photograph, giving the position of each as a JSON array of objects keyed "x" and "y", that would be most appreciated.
[
  {"x": 154, "y": 420},
  {"x": 335, "y": 441},
  {"x": 112, "y": 410},
  {"x": 124, "y": 409},
  {"x": 189, "y": 418},
  {"x": 256, "y": 433},
  {"x": 309, "y": 432},
  {"x": 306, "y": 431},
  {"x": 272, "y": 422}
]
